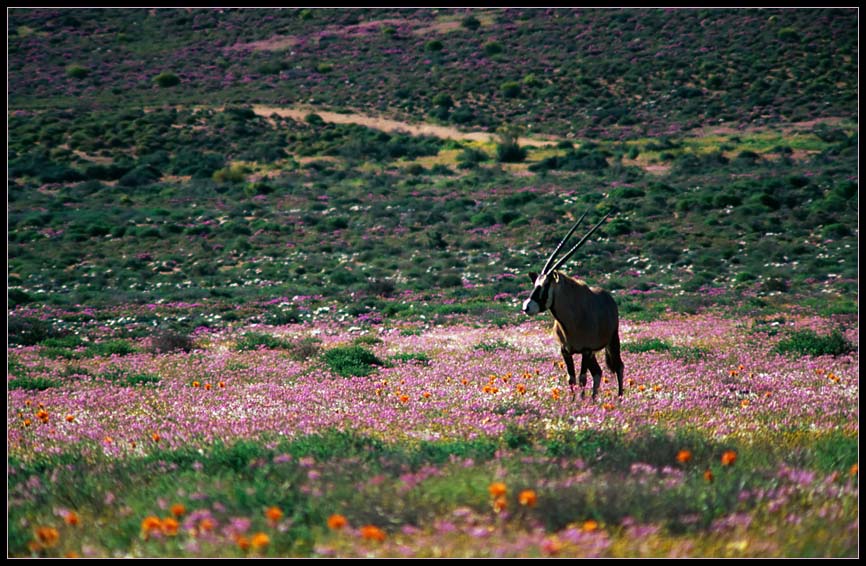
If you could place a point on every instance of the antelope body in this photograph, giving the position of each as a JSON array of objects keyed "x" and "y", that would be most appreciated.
[{"x": 586, "y": 319}]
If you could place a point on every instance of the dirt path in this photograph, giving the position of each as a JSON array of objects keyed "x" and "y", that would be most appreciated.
[{"x": 387, "y": 125}]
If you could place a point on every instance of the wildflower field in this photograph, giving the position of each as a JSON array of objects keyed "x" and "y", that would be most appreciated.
[{"x": 321, "y": 439}]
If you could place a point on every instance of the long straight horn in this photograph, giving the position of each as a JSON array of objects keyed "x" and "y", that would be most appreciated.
[
  {"x": 562, "y": 243},
  {"x": 580, "y": 243}
]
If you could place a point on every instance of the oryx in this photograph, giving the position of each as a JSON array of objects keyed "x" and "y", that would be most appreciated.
[{"x": 586, "y": 319}]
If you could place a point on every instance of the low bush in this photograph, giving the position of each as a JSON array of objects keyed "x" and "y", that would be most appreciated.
[{"x": 351, "y": 361}]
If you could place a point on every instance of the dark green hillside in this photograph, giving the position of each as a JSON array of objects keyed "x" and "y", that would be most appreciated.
[
  {"x": 587, "y": 72},
  {"x": 725, "y": 142}
]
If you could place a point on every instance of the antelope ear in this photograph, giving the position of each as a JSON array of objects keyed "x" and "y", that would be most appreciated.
[{"x": 533, "y": 276}]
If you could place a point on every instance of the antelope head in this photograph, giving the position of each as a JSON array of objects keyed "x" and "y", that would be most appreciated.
[{"x": 542, "y": 298}]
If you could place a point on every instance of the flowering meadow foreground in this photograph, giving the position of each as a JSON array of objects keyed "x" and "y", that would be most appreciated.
[{"x": 458, "y": 441}]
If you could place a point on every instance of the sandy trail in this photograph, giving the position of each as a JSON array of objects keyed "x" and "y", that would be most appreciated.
[{"x": 388, "y": 125}]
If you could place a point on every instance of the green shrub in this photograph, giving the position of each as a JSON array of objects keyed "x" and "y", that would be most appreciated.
[
  {"x": 304, "y": 349},
  {"x": 492, "y": 346},
  {"x": 22, "y": 331},
  {"x": 125, "y": 378},
  {"x": 110, "y": 348},
  {"x": 508, "y": 150},
  {"x": 140, "y": 176},
  {"x": 809, "y": 343},
  {"x": 77, "y": 71},
  {"x": 444, "y": 100},
  {"x": 492, "y": 48},
  {"x": 415, "y": 357},
  {"x": 232, "y": 174},
  {"x": 32, "y": 383},
  {"x": 166, "y": 79},
  {"x": 788, "y": 34},
  {"x": 256, "y": 340},
  {"x": 647, "y": 345},
  {"x": 349, "y": 361},
  {"x": 470, "y": 22},
  {"x": 433, "y": 45},
  {"x": 510, "y": 89},
  {"x": 166, "y": 341}
]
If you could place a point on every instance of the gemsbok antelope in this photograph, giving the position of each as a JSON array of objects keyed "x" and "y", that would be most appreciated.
[{"x": 586, "y": 319}]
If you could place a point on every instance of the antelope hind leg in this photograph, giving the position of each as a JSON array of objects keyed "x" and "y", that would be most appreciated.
[{"x": 569, "y": 364}]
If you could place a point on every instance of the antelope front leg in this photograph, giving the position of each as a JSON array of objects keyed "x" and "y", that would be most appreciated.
[
  {"x": 595, "y": 370},
  {"x": 584, "y": 367},
  {"x": 569, "y": 364}
]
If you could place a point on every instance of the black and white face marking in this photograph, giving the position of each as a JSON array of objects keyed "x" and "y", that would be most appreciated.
[{"x": 541, "y": 298}]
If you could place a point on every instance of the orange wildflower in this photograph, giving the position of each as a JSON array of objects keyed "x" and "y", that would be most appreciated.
[
  {"x": 744, "y": 403},
  {"x": 855, "y": 469},
  {"x": 178, "y": 509},
  {"x": 590, "y": 525},
  {"x": 206, "y": 525},
  {"x": 150, "y": 524},
  {"x": 426, "y": 395},
  {"x": 108, "y": 440},
  {"x": 196, "y": 384},
  {"x": 608, "y": 406},
  {"x": 555, "y": 393},
  {"x": 155, "y": 436},
  {"x": 26, "y": 422},
  {"x": 207, "y": 386},
  {"x": 527, "y": 498},
  {"x": 337, "y": 522},
  {"x": 71, "y": 518},
  {"x": 521, "y": 389},
  {"x": 708, "y": 475},
  {"x": 70, "y": 418},
  {"x": 371, "y": 532},
  {"x": 259, "y": 541},
  {"x": 404, "y": 398},
  {"x": 72, "y": 554},
  {"x": 551, "y": 546},
  {"x": 42, "y": 415},
  {"x": 169, "y": 526},
  {"x": 464, "y": 381},
  {"x": 497, "y": 489},
  {"x": 222, "y": 384},
  {"x": 47, "y": 536},
  {"x": 274, "y": 514},
  {"x": 242, "y": 542},
  {"x": 500, "y": 504},
  {"x": 657, "y": 387},
  {"x": 641, "y": 387},
  {"x": 684, "y": 456},
  {"x": 729, "y": 457}
]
